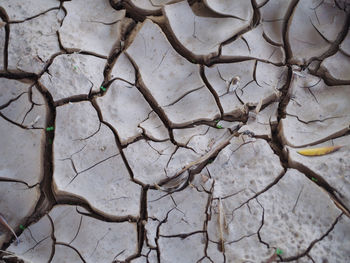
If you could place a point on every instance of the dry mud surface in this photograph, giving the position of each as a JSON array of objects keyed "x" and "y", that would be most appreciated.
[{"x": 168, "y": 131}]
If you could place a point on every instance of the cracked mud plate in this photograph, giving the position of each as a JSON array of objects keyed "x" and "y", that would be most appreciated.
[{"x": 149, "y": 131}]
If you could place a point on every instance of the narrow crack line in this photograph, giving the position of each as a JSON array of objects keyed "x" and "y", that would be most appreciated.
[
  {"x": 211, "y": 89},
  {"x": 236, "y": 59},
  {"x": 32, "y": 17},
  {"x": 320, "y": 120},
  {"x": 78, "y": 230},
  {"x": 270, "y": 41},
  {"x": 159, "y": 152},
  {"x": 170, "y": 158},
  {"x": 156, "y": 239},
  {"x": 230, "y": 195},
  {"x": 239, "y": 239},
  {"x": 31, "y": 99},
  {"x": 117, "y": 141},
  {"x": 219, "y": 73},
  {"x": 11, "y": 180},
  {"x": 161, "y": 197},
  {"x": 257, "y": 194},
  {"x": 217, "y": 14},
  {"x": 25, "y": 116},
  {"x": 335, "y": 44},
  {"x": 318, "y": 31},
  {"x": 151, "y": 101},
  {"x": 242, "y": 92},
  {"x": 91, "y": 135},
  {"x": 312, "y": 244},
  {"x": 89, "y": 168},
  {"x": 37, "y": 244},
  {"x": 161, "y": 61},
  {"x": 48, "y": 64},
  {"x": 262, "y": 4},
  {"x": 98, "y": 243},
  {"x": 261, "y": 225},
  {"x": 64, "y": 51},
  {"x": 64, "y": 11},
  {"x": 183, "y": 96},
  {"x": 199, "y": 162},
  {"x": 343, "y": 52},
  {"x": 309, "y": 257},
  {"x": 313, "y": 95},
  {"x": 247, "y": 44},
  {"x": 332, "y": 192},
  {"x": 31, "y": 235},
  {"x": 296, "y": 201},
  {"x": 194, "y": 31},
  {"x": 53, "y": 238},
  {"x": 18, "y": 124},
  {"x": 71, "y": 156},
  {"x": 60, "y": 44},
  {"x": 115, "y": 79},
  {"x": 318, "y": 5},
  {"x": 12, "y": 100},
  {"x": 73, "y": 248},
  {"x": 84, "y": 52},
  {"x": 312, "y": 85},
  {"x": 272, "y": 53},
  {"x": 318, "y": 20},
  {"x": 117, "y": 255}
]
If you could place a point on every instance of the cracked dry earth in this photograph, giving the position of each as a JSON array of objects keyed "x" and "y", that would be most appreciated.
[{"x": 167, "y": 131}]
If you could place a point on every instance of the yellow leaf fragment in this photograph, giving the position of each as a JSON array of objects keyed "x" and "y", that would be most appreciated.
[{"x": 319, "y": 151}]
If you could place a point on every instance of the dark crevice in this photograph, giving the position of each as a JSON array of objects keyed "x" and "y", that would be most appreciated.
[
  {"x": 256, "y": 16},
  {"x": 16, "y": 74},
  {"x": 97, "y": 215},
  {"x": 72, "y": 99},
  {"x": 141, "y": 232},
  {"x": 5, "y": 18},
  {"x": 183, "y": 235},
  {"x": 47, "y": 199}
]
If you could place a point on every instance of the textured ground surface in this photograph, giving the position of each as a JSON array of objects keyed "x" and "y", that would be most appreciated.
[{"x": 167, "y": 130}]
